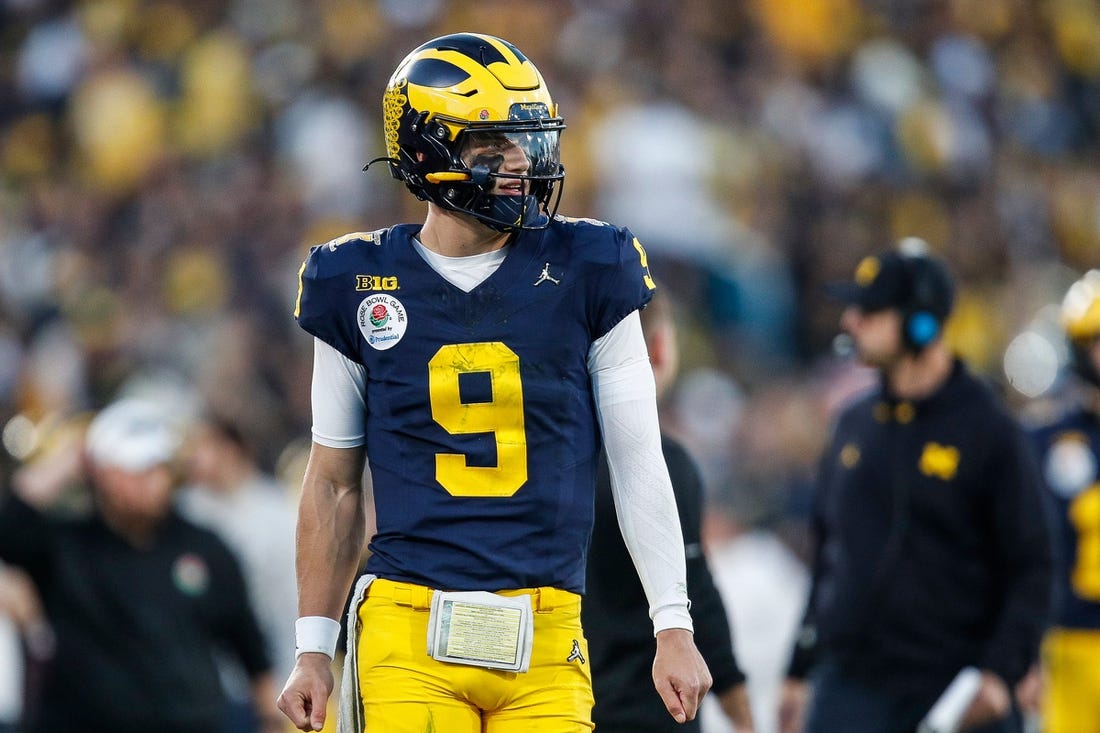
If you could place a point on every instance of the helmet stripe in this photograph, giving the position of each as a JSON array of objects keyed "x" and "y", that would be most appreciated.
[
  {"x": 436, "y": 73},
  {"x": 479, "y": 48}
]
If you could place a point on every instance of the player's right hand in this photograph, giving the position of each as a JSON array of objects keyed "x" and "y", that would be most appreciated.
[{"x": 305, "y": 696}]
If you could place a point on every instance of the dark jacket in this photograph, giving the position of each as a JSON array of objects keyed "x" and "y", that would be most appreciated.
[
  {"x": 136, "y": 627},
  {"x": 616, "y": 619},
  {"x": 932, "y": 551}
]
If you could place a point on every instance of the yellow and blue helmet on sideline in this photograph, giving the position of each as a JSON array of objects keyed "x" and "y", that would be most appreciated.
[
  {"x": 469, "y": 88},
  {"x": 1081, "y": 322}
]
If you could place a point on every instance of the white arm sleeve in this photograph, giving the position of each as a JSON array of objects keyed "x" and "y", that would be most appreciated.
[
  {"x": 626, "y": 404},
  {"x": 339, "y": 399}
]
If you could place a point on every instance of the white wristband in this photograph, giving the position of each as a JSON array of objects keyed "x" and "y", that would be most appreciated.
[{"x": 316, "y": 634}]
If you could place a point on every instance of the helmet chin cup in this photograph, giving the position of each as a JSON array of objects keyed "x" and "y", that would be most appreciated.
[
  {"x": 515, "y": 212},
  {"x": 502, "y": 213}
]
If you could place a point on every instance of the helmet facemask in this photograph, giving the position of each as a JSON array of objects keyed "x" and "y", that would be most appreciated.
[
  {"x": 507, "y": 176},
  {"x": 512, "y": 174}
]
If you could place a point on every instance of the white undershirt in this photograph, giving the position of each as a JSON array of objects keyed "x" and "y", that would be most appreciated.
[{"x": 626, "y": 406}]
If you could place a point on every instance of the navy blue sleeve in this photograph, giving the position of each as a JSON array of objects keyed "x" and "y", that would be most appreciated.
[
  {"x": 625, "y": 284},
  {"x": 325, "y": 273}
]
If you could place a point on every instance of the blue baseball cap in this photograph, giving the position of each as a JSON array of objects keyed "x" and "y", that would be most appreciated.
[{"x": 894, "y": 279}]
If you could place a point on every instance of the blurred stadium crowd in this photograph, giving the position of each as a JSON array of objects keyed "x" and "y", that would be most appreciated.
[{"x": 165, "y": 165}]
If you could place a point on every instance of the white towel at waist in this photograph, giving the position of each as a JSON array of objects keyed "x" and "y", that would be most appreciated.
[{"x": 350, "y": 711}]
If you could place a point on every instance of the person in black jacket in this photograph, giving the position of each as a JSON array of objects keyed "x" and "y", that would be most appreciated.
[
  {"x": 620, "y": 635},
  {"x": 932, "y": 550},
  {"x": 139, "y": 599}
]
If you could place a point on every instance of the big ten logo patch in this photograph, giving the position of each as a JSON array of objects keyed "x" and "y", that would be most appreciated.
[{"x": 376, "y": 282}]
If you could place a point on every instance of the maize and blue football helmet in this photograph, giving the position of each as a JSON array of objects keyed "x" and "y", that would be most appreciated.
[
  {"x": 1081, "y": 322},
  {"x": 452, "y": 109}
]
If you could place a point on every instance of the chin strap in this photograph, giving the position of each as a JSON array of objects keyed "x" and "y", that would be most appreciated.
[{"x": 383, "y": 159}]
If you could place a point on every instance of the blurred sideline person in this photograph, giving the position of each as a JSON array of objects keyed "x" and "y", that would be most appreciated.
[
  {"x": 13, "y": 606},
  {"x": 138, "y": 597},
  {"x": 932, "y": 554},
  {"x": 620, "y": 643},
  {"x": 764, "y": 586},
  {"x": 1070, "y": 459},
  {"x": 227, "y": 492},
  {"x": 26, "y": 642},
  {"x": 480, "y": 357}
]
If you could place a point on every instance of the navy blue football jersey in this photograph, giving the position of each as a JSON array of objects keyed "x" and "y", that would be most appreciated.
[
  {"x": 482, "y": 435},
  {"x": 1070, "y": 455}
]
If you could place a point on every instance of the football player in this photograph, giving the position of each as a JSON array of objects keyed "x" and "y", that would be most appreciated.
[
  {"x": 1070, "y": 451},
  {"x": 478, "y": 360}
]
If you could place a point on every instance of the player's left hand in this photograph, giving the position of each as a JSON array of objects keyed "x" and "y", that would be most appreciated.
[{"x": 680, "y": 674}]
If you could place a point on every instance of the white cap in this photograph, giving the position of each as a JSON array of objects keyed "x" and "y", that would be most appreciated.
[{"x": 133, "y": 435}]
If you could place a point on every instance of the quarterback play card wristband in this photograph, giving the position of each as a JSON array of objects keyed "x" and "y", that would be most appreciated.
[
  {"x": 316, "y": 634},
  {"x": 481, "y": 629}
]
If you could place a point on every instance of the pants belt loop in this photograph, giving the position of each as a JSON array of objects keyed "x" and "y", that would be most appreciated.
[
  {"x": 416, "y": 597},
  {"x": 421, "y": 598},
  {"x": 543, "y": 600}
]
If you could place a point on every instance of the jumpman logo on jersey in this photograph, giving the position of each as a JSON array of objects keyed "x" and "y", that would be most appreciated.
[
  {"x": 546, "y": 276},
  {"x": 575, "y": 655}
]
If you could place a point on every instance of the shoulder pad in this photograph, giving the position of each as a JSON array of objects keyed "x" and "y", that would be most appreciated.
[
  {"x": 374, "y": 237},
  {"x": 326, "y": 261},
  {"x": 580, "y": 220},
  {"x": 337, "y": 255}
]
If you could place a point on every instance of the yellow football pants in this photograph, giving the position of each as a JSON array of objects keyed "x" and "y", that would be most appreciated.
[
  {"x": 406, "y": 691},
  {"x": 1071, "y": 660}
]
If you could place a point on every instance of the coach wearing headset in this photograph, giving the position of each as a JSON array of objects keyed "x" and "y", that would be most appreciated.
[{"x": 932, "y": 560}]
